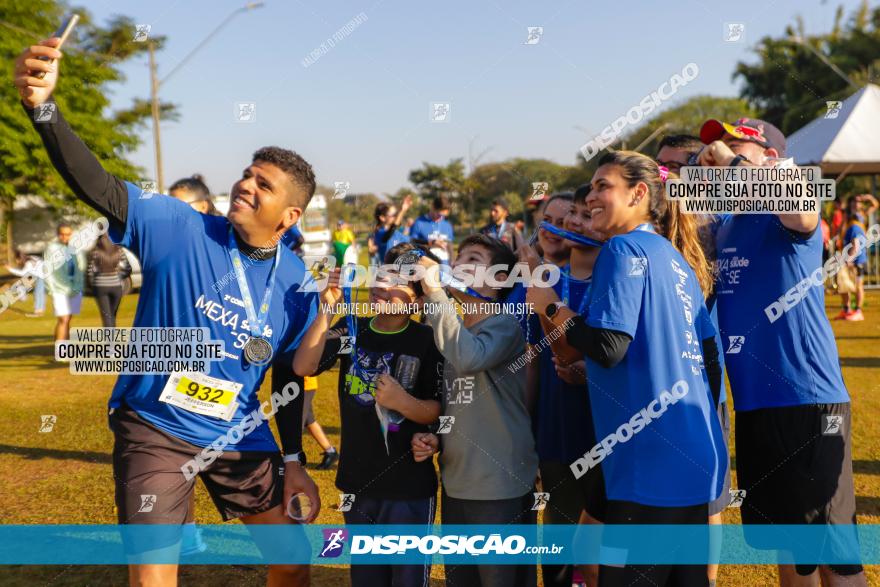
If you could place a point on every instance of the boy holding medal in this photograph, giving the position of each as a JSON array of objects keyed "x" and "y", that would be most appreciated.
[{"x": 389, "y": 390}]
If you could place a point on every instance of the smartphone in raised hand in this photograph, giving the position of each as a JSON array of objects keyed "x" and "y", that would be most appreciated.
[{"x": 63, "y": 32}]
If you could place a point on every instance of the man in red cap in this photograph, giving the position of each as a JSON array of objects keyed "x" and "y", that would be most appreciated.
[{"x": 793, "y": 437}]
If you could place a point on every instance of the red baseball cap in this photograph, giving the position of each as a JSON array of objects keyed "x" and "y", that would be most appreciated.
[{"x": 746, "y": 129}]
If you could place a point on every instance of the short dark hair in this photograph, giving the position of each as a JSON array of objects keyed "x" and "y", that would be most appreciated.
[
  {"x": 440, "y": 203},
  {"x": 500, "y": 254},
  {"x": 195, "y": 184},
  {"x": 380, "y": 210},
  {"x": 502, "y": 203},
  {"x": 580, "y": 194},
  {"x": 397, "y": 251},
  {"x": 296, "y": 168},
  {"x": 63, "y": 225},
  {"x": 689, "y": 143}
]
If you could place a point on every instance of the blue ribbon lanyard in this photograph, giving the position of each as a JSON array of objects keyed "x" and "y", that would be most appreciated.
[
  {"x": 351, "y": 320},
  {"x": 566, "y": 276},
  {"x": 568, "y": 235},
  {"x": 255, "y": 322}
]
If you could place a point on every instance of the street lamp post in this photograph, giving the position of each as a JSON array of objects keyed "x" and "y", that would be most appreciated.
[{"x": 156, "y": 83}]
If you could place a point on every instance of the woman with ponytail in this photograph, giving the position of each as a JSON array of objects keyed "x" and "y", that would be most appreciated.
[{"x": 651, "y": 362}]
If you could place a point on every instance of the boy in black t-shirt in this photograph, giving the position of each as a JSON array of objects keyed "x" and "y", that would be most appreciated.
[{"x": 380, "y": 415}]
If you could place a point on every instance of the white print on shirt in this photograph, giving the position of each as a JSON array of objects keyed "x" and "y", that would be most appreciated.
[
  {"x": 728, "y": 271},
  {"x": 231, "y": 319},
  {"x": 460, "y": 390},
  {"x": 693, "y": 350}
]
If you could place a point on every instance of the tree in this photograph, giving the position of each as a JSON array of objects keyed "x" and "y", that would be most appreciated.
[
  {"x": 789, "y": 84},
  {"x": 91, "y": 63},
  {"x": 440, "y": 180},
  {"x": 686, "y": 118}
]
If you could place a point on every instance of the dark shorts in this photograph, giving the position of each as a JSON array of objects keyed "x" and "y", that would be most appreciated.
[
  {"x": 717, "y": 506},
  {"x": 795, "y": 464},
  {"x": 568, "y": 495},
  {"x": 627, "y": 512},
  {"x": 368, "y": 510},
  {"x": 861, "y": 269},
  {"x": 152, "y": 489}
]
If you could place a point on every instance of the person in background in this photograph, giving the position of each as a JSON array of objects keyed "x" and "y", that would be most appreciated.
[
  {"x": 554, "y": 249},
  {"x": 343, "y": 238},
  {"x": 520, "y": 226},
  {"x": 500, "y": 227},
  {"x": 386, "y": 233},
  {"x": 31, "y": 265},
  {"x": 107, "y": 270},
  {"x": 854, "y": 233},
  {"x": 65, "y": 284},
  {"x": 838, "y": 215},
  {"x": 434, "y": 230},
  {"x": 791, "y": 470},
  {"x": 193, "y": 191},
  {"x": 310, "y": 423},
  {"x": 675, "y": 150}
]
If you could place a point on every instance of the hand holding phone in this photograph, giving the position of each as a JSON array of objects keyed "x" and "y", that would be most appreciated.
[
  {"x": 33, "y": 74},
  {"x": 62, "y": 33}
]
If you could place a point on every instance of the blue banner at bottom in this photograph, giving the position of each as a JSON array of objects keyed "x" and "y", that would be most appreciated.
[{"x": 472, "y": 544}]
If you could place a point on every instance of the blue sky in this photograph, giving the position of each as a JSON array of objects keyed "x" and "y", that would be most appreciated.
[{"x": 360, "y": 113}]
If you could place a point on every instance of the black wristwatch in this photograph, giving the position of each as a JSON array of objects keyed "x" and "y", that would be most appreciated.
[
  {"x": 552, "y": 309},
  {"x": 737, "y": 160}
]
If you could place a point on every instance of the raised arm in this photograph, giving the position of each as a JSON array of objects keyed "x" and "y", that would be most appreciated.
[
  {"x": 77, "y": 165},
  {"x": 307, "y": 359}
]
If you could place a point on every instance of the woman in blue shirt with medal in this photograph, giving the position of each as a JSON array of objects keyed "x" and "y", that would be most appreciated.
[{"x": 650, "y": 357}]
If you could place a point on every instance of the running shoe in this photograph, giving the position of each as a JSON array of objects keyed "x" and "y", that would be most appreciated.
[
  {"x": 843, "y": 315},
  {"x": 855, "y": 316},
  {"x": 328, "y": 461}
]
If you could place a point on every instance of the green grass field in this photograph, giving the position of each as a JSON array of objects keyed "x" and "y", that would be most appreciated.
[{"x": 65, "y": 477}]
